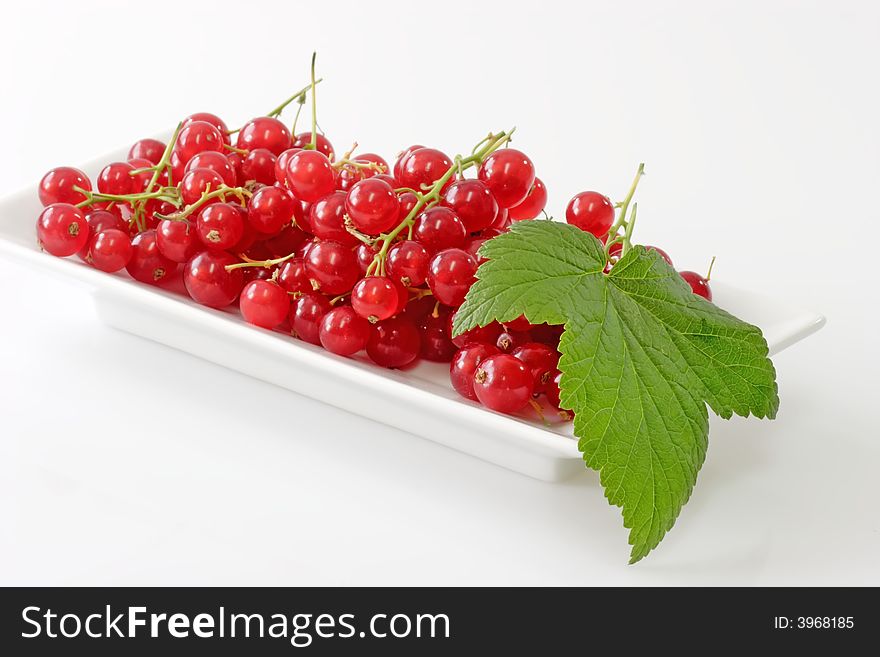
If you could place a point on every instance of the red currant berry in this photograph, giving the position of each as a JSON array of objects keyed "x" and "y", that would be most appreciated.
[
  {"x": 197, "y": 137},
  {"x": 176, "y": 240},
  {"x": 531, "y": 206},
  {"x": 541, "y": 359},
  {"x": 285, "y": 242},
  {"x": 407, "y": 262},
  {"x": 292, "y": 276},
  {"x": 480, "y": 334},
  {"x": 264, "y": 304},
  {"x": 264, "y": 132},
  {"x": 327, "y": 219},
  {"x": 259, "y": 165},
  {"x": 147, "y": 264},
  {"x": 258, "y": 274},
  {"x": 591, "y": 212},
  {"x": 375, "y": 298},
  {"x": 236, "y": 161},
  {"x": 216, "y": 162},
  {"x": 436, "y": 345},
  {"x": 439, "y": 228},
  {"x": 116, "y": 178},
  {"x": 151, "y": 150},
  {"x": 332, "y": 267},
  {"x": 102, "y": 220},
  {"x": 503, "y": 383},
  {"x": 473, "y": 246},
  {"x": 450, "y": 276},
  {"x": 474, "y": 204},
  {"x": 366, "y": 253},
  {"x": 374, "y": 159},
  {"x": 208, "y": 281},
  {"x": 661, "y": 253},
  {"x": 62, "y": 229},
  {"x": 57, "y": 186},
  {"x": 518, "y": 324},
  {"x": 401, "y": 158},
  {"x": 502, "y": 222},
  {"x": 220, "y": 226},
  {"x": 109, "y": 250},
  {"x": 270, "y": 210},
  {"x": 306, "y": 315},
  {"x": 699, "y": 284},
  {"x": 310, "y": 176},
  {"x": 394, "y": 342},
  {"x": 552, "y": 391},
  {"x": 372, "y": 206},
  {"x": 343, "y": 331},
  {"x": 143, "y": 178},
  {"x": 197, "y": 182},
  {"x": 464, "y": 365},
  {"x": 423, "y": 167},
  {"x": 281, "y": 165},
  {"x": 407, "y": 201},
  {"x": 322, "y": 144},
  {"x": 178, "y": 168},
  {"x": 509, "y": 173},
  {"x": 548, "y": 334},
  {"x": 213, "y": 119},
  {"x": 509, "y": 340}
]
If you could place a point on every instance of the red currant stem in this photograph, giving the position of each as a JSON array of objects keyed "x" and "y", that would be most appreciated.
[
  {"x": 165, "y": 193},
  {"x": 137, "y": 172},
  {"x": 398, "y": 190},
  {"x": 627, "y": 237},
  {"x": 259, "y": 263},
  {"x": 299, "y": 94},
  {"x": 363, "y": 237},
  {"x": 314, "y": 140},
  {"x": 540, "y": 411},
  {"x": 709, "y": 273},
  {"x": 138, "y": 217},
  {"x": 336, "y": 300},
  {"x": 220, "y": 192},
  {"x": 240, "y": 151},
  {"x": 432, "y": 195},
  {"x": 624, "y": 206}
]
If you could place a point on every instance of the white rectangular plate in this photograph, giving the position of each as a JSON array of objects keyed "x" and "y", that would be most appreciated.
[{"x": 420, "y": 400}]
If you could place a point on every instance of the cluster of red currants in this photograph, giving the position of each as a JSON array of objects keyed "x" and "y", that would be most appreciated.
[{"x": 348, "y": 253}]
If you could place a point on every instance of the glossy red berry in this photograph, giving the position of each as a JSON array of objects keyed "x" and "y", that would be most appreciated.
[
  {"x": 401, "y": 158},
  {"x": 208, "y": 281},
  {"x": 423, "y": 167},
  {"x": 284, "y": 243},
  {"x": 259, "y": 165},
  {"x": 436, "y": 345},
  {"x": 439, "y": 228},
  {"x": 109, "y": 250},
  {"x": 116, "y": 178},
  {"x": 216, "y": 162},
  {"x": 306, "y": 314},
  {"x": 62, "y": 229},
  {"x": 503, "y": 383},
  {"x": 292, "y": 276},
  {"x": 394, "y": 342},
  {"x": 375, "y": 298},
  {"x": 407, "y": 262},
  {"x": 343, "y": 331},
  {"x": 197, "y": 182},
  {"x": 450, "y": 275},
  {"x": 213, "y": 119},
  {"x": 281, "y": 165},
  {"x": 177, "y": 240},
  {"x": 332, "y": 267},
  {"x": 699, "y": 284},
  {"x": 264, "y": 304},
  {"x": 57, "y": 186},
  {"x": 464, "y": 365},
  {"x": 147, "y": 264},
  {"x": 327, "y": 219},
  {"x": 372, "y": 206},
  {"x": 481, "y": 334},
  {"x": 220, "y": 226},
  {"x": 143, "y": 177},
  {"x": 310, "y": 176},
  {"x": 532, "y": 205},
  {"x": 552, "y": 390},
  {"x": 407, "y": 201},
  {"x": 197, "y": 137},
  {"x": 365, "y": 254},
  {"x": 270, "y": 210},
  {"x": 473, "y": 202},
  {"x": 322, "y": 144},
  {"x": 509, "y": 173},
  {"x": 264, "y": 132},
  {"x": 592, "y": 212},
  {"x": 541, "y": 359},
  {"x": 147, "y": 149}
]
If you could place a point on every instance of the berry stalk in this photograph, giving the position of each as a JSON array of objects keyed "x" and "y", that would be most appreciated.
[{"x": 622, "y": 222}]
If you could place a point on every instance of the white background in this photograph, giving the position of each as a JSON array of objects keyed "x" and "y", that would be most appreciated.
[{"x": 124, "y": 462}]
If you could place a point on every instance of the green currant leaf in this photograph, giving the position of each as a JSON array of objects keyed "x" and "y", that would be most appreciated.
[{"x": 642, "y": 357}]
